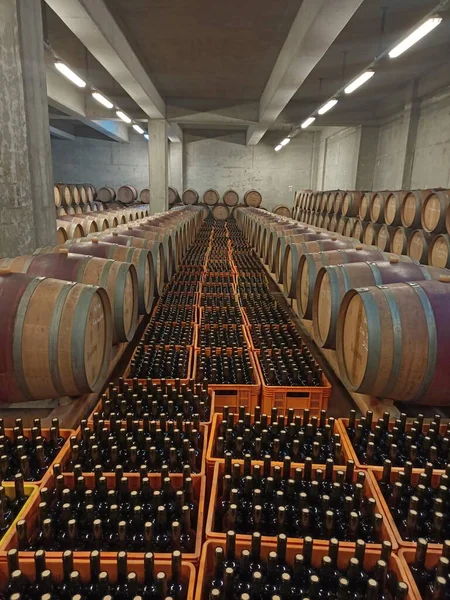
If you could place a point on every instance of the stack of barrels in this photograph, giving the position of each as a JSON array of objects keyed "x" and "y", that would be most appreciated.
[
  {"x": 415, "y": 223},
  {"x": 385, "y": 315},
  {"x": 75, "y": 300},
  {"x": 225, "y": 207}
]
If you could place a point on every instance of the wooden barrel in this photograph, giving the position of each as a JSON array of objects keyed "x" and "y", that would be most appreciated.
[
  {"x": 190, "y": 196},
  {"x": 326, "y": 221},
  {"x": 334, "y": 282},
  {"x": 106, "y": 194},
  {"x": 173, "y": 195},
  {"x": 168, "y": 241},
  {"x": 439, "y": 251},
  {"x": 82, "y": 193},
  {"x": 376, "y": 209},
  {"x": 364, "y": 206},
  {"x": 154, "y": 246},
  {"x": 411, "y": 209},
  {"x": 384, "y": 237},
  {"x": 61, "y": 212},
  {"x": 235, "y": 210},
  {"x": 358, "y": 230},
  {"x": 330, "y": 202},
  {"x": 220, "y": 212},
  {"x": 342, "y": 223},
  {"x": 418, "y": 246},
  {"x": 119, "y": 280},
  {"x": 370, "y": 233},
  {"x": 87, "y": 224},
  {"x": 280, "y": 243},
  {"x": 350, "y": 203},
  {"x": 57, "y": 196},
  {"x": 61, "y": 234},
  {"x": 71, "y": 228},
  {"x": 211, "y": 197},
  {"x": 337, "y": 206},
  {"x": 56, "y": 338},
  {"x": 283, "y": 211},
  {"x": 394, "y": 341},
  {"x": 349, "y": 226},
  {"x": 78, "y": 210},
  {"x": 392, "y": 208},
  {"x": 127, "y": 194},
  {"x": 400, "y": 238},
  {"x": 144, "y": 196},
  {"x": 90, "y": 192},
  {"x": 295, "y": 250},
  {"x": 273, "y": 233},
  {"x": 434, "y": 211},
  {"x": 310, "y": 264},
  {"x": 70, "y": 210},
  {"x": 333, "y": 223},
  {"x": 252, "y": 198}
]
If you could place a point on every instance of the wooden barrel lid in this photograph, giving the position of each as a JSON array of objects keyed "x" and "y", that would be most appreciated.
[
  {"x": 211, "y": 197},
  {"x": 283, "y": 211},
  {"x": 253, "y": 198},
  {"x": 220, "y": 212},
  {"x": 144, "y": 196},
  {"x": 231, "y": 198},
  {"x": 173, "y": 194},
  {"x": 190, "y": 196},
  {"x": 127, "y": 194}
]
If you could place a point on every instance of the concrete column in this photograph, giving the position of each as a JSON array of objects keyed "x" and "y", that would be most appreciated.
[
  {"x": 176, "y": 165},
  {"x": 27, "y": 212},
  {"x": 409, "y": 130},
  {"x": 158, "y": 147},
  {"x": 366, "y": 158}
]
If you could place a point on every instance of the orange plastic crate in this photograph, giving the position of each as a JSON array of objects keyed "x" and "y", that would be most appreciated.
[
  {"x": 212, "y": 460},
  {"x": 31, "y": 492},
  {"x": 314, "y": 398},
  {"x": 31, "y": 515},
  {"x": 205, "y": 311},
  {"x": 216, "y": 493},
  {"x": 371, "y": 556},
  {"x": 65, "y": 457},
  {"x": 406, "y": 557},
  {"x": 231, "y": 394},
  {"x": 193, "y": 328},
  {"x": 350, "y": 451},
  {"x": 376, "y": 476},
  {"x": 189, "y": 375},
  {"x": 108, "y": 564},
  {"x": 64, "y": 433},
  {"x": 233, "y": 326}
]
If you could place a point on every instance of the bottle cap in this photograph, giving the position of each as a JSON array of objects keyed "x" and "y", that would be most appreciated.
[
  {"x": 444, "y": 278},
  {"x": 394, "y": 259}
]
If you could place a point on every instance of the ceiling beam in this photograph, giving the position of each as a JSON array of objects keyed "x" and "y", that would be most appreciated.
[
  {"x": 60, "y": 133},
  {"x": 315, "y": 28},
  {"x": 95, "y": 27},
  {"x": 175, "y": 133}
]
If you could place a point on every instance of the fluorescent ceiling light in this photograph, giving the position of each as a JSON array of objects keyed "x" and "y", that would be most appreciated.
[
  {"x": 278, "y": 148},
  {"x": 415, "y": 36},
  {"x": 123, "y": 116},
  {"x": 146, "y": 136},
  {"x": 138, "y": 129},
  {"x": 64, "y": 70},
  {"x": 359, "y": 81},
  {"x": 285, "y": 142},
  {"x": 308, "y": 122},
  {"x": 100, "y": 98},
  {"x": 328, "y": 106}
]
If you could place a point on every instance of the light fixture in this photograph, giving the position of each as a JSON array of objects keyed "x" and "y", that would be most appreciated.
[
  {"x": 415, "y": 36},
  {"x": 354, "y": 85},
  {"x": 100, "y": 98},
  {"x": 138, "y": 129},
  {"x": 278, "y": 148},
  {"x": 285, "y": 142},
  {"x": 308, "y": 122},
  {"x": 123, "y": 116},
  {"x": 328, "y": 106},
  {"x": 146, "y": 136},
  {"x": 73, "y": 77}
]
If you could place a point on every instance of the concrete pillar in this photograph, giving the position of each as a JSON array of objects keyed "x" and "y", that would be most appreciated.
[
  {"x": 27, "y": 212},
  {"x": 365, "y": 171},
  {"x": 409, "y": 130},
  {"x": 176, "y": 165},
  {"x": 158, "y": 147}
]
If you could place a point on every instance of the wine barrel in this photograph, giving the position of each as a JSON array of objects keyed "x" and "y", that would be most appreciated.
[
  {"x": 190, "y": 196},
  {"x": 252, "y": 198},
  {"x": 342, "y": 223},
  {"x": 310, "y": 264},
  {"x": 61, "y": 212},
  {"x": 90, "y": 192},
  {"x": 165, "y": 238},
  {"x": 235, "y": 210},
  {"x": 370, "y": 233},
  {"x": 439, "y": 251},
  {"x": 220, "y": 212},
  {"x": 78, "y": 210},
  {"x": 127, "y": 194},
  {"x": 400, "y": 238},
  {"x": 384, "y": 237},
  {"x": 330, "y": 202},
  {"x": 106, "y": 194},
  {"x": 326, "y": 221},
  {"x": 70, "y": 211},
  {"x": 71, "y": 228},
  {"x": 411, "y": 209},
  {"x": 282, "y": 240},
  {"x": 144, "y": 196},
  {"x": 154, "y": 246},
  {"x": 349, "y": 226},
  {"x": 392, "y": 208},
  {"x": 273, "y": 233},
  {"x": 174, "y": 196},
  {"x": 394, "y": 341},
  {"x": 57, "y": 196},
  {"x": 61, "y": 235},
  {"x": 283, "y": 211},
  {"x": 119, "y": 280},
  {"x": 82, "y": 193},
  {"x": 376, "y": 209},
  {"x": 337, "y": 206},
  {"x": 333, "y": 223},
  {"x": 350, "y": 204},
  {"x": 358, "y": 230},
  {"x": 211, "y": 197},
  {"x": 364, "y": 206},
  {"x": 87, "y": 224},
  {"x": 333, "y": 283},
  {"x": 56, "y": 338},
  {"x": 418, "y": 246},
  {"x": 295, "y": 250},
  {"x": 434, "y": 211}
]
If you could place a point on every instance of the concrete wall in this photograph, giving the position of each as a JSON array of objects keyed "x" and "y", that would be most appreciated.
[
  {"x": 340, "y": 159},
  {"x": 390, "y": 154},
  {"x": 228, "y": 163}
]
